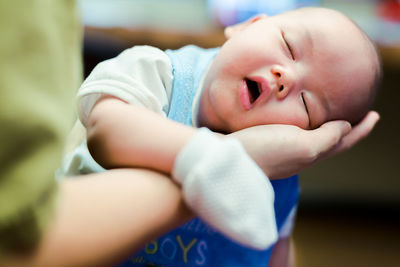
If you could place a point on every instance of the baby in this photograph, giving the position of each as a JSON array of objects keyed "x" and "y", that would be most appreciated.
[{"x": 301, "y": 68}]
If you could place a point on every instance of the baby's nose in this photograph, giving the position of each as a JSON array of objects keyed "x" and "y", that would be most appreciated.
[
  {"x": 282, "y": 91},
  {"x": 283, "y": 81}
]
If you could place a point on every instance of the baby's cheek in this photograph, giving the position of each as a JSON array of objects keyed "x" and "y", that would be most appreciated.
[
  {"x": 286, "y": 114},
  {"x": 299, "y": 119}
]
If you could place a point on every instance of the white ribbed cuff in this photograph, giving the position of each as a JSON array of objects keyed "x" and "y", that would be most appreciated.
[{"x": 195, "y": 150}]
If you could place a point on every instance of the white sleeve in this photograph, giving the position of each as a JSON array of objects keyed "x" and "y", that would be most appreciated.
[{"x": 141, "y": 75}]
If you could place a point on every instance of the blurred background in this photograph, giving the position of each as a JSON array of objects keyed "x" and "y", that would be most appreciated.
[{"x": 350, "y": 204}]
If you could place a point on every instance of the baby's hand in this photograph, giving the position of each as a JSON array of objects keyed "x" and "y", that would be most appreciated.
[
  {"x": 284, "y": 150},
  {"x": 227, "y": 189}
]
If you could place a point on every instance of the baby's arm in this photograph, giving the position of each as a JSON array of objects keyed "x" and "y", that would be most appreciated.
[{"x": 124, "y": 135}]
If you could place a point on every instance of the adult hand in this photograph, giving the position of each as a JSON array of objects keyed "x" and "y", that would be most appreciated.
[{"x": 284, "y": 150}]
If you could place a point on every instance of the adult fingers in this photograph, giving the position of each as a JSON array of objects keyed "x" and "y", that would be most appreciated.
[
  {"x": 360, "y": 131},
  {"x": 328, "y": 136}
]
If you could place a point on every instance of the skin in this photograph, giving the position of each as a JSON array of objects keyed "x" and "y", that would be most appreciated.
[{"x": 309, "y": 72}]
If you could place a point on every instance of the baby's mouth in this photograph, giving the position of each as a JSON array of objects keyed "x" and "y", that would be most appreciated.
[
  {"x": 254, "y": 89},
  {"x": 250, "y": 90}
]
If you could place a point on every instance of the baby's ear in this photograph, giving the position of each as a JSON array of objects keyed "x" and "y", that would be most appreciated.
[{"x": 231, "y": 30}]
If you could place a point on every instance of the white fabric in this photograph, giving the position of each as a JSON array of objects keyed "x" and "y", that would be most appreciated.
[
  {"x": 141, "y": 75},
  {"x": 227, "y": 189}
]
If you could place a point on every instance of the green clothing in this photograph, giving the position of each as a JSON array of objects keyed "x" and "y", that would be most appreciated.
[{"x": 40, "y": 68}]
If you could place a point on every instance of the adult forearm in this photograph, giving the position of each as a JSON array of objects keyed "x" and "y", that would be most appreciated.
[
  {"x": 105, "y": 217},
  {"x": 123, "y": 135}
]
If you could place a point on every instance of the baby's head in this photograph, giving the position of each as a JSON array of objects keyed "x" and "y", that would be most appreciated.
[{"x": 303, "y": 68}]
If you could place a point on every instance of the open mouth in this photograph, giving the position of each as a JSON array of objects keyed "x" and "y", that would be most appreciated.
[
  {"x": 254, "y": 90},
  {"x": 251, "y": 90}
]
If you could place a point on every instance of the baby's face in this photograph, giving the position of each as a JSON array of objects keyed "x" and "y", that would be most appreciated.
[{"x": 302, "y": 68}]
